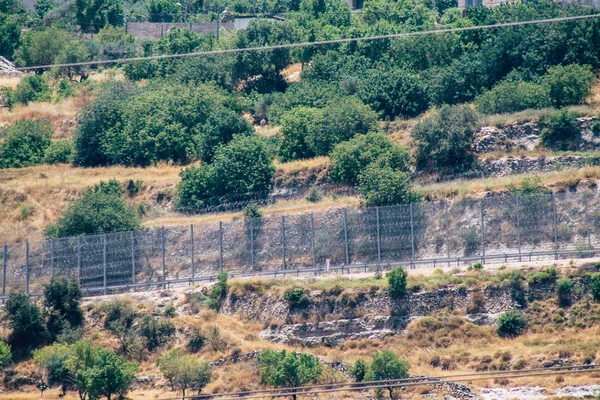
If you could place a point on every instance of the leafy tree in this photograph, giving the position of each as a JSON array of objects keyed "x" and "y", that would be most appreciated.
[
  {"x": 381, "y": 185},
  {"x": 511, "y": 324},
  {"x": 162, "y": 11},
  {"x": 568, "y": 84},
  {"x": 397, "y": 281},
  {"x": 59, "y": 152},
  {"x": 10, "y": 34},
  {"x": 82, "y": 359},
  {"x": 394, "y": 92},
  {"x": 75, "y": 51},
  {"x": 386, "y": 365},
  {"x": 444, "y": 139},
  {"x": 25, "y": 320},
  {"x": 242, "y": 167},
  {"x": 41, "y": 47},
  {"x": 109, "y": 375},
  {"x": 349, "y": 159},
  {"x": 52, "y": 363},
  {"x": 61, "y": 297},
  {"x": 157, "y": 332},
  {"x": 99, "y": 209},
  {"x": 5, "y": 354},
  {"x": 297, "y": 126},
  {"x": 25, "y": 144},
  {"x": 359, "y": 370},
  {"x": 511, "y": 96},
  {"x": 595, "y": 286},
  {"x": 184, "y": 372},
  {"x": 287, "y": 370},
  {"x": 560, "y": 130},
  {"x": 92, "y": 15}
]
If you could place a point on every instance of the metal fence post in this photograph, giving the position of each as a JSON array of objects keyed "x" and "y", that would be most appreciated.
[
  {"x": 518, "y": 229},
  {"x": 378, "y": 237},
  {"x": 283, "y": 241},
  {"x": 52, "y": 259},
  {"x": 312, "y": 240},
  {"x": 346, "y": 236},
  {"x": 192, "y": 244},
  {"x": 220, "y": 246},
  {"x": 164, "y": 269},
  {"x": 133, "y": 257},
  {"x": 587, "y": 222},
  {"x": 79, "y": 260},
  {"x": 105, "y": 264},
  {"x": 482, "y": 233},
  {"x": 447, "y": 232},
  {"x": 252, "y": 243},
  {"x": 554, "y": 224},
  {"x": 27, "y": 267},
  {"x": 412, "y": 237},
  {"x": 4, "y": 262}
]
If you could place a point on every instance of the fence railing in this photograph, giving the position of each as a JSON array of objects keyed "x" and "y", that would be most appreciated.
[{"x": 501, "y": 229}]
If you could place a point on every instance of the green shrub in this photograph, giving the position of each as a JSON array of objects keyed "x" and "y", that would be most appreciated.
[
  {"x": 595, "y": 127},
  {"x": 32, "y": 88},
  {"x": 511, "y": 324},
  {"x": 99, "y": 209},
  {"x": 359, "y": 370},
  {"x": 62, "y": 297},
  {"x": 252, "y": 211},
  {"x": 287, "y": 370},
  {"x": 296, "y": 298},
  {"x": 444, "y": 139},
  {"x": 349, "y": 159},
  {"x": 476, "y": 266},
  {"x": 512, "y": 96},
  {"x": 595, "y": 286},
  {"x": 568, "y": 84},
  {"x": 26, "y": 211},
  {"x": 219, "y": 291},
  {"x": 25, "y": 143},
  {"x": 517, "y": 291},
  {"x": 60, "y": 152},
  {"x": 25, "y": 319},
  {"x": 53, "y": 360},
  {"x": 537, "y": 277},
  {"x": 156, "y": 331},
  {"x": 560, "y": 130},
  {"x": 197, "y": 341},
  {"x": 386, "y": 366},
  {"x": 242, "y": 167},
  {"x": 382, "y": 186},
  {"x": 397, "y": 282},
  {"x": 5, "y": 354},
  {"x": 314, "y": 195},
  {"x": 564, "y": 290},
  {"x": 184, "y": 372},
  {"x": 119, "y": 314},
  {"x": 134, "y": 187}
]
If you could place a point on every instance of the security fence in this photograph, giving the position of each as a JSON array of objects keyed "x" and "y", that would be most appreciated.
[{"x": 501, "y": 229}]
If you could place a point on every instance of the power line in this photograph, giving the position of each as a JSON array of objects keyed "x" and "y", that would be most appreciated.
[
  {"x": 317, "y": 43},
  {"x": 340, "y": 387}
]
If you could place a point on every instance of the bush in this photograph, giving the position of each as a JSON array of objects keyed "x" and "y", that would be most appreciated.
[
  {"x": 242, "y": 167},
  {"x": 197, "y": 341},
  {"x": 219, "y": 291},
  {"x": 541, "y": 277},
  {"x": 564, "y": 290},
  {"x": 517, "y": 291},
  {"x": 511, "y": 324},
  {"x": 511, "y": 96},
  {"x": 119, "y": 313},
  {"x": 595, "y": 286},
  {"x": 383, "y": 186},
  {"x": 5, "y": 354},
  {"x": 60, "y": 152},
  {"x": 25, "y": 143},
  {"x": 288, "y": 370},
  {"x": 560, "y": 130},
  {"x": 25, "y": 320},
  {"x": 349, "y": 159},
  {"x": 568, "y": 84},
  {"x": 184, "y": 372},
  {"x": 359, "y": 370},
  {"x": 52, "y": 361},
  {"x": 32, "y": 88},
  {"x": 156, "y": 331},
  {"x": 444, "y": 139},
  {"x": 397, "y": 282},
  {"x": 314, "y": 195},
  {"x": 252, "y": 211},
  {"x": 62, "y": 298},
  {"x": 296, "y": 298},
  {"x": 99, "y": 209}
]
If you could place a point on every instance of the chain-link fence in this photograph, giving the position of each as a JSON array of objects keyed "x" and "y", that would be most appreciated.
[{"x": 502, "y": 229}]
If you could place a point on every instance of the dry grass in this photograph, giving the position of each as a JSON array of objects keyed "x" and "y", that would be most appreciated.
[
  {"x": 267, "y": 130},
  {"x": 299, "y": 165},
  {"x": 10, "y": 82},
  {"x": 292, "y": 73}
]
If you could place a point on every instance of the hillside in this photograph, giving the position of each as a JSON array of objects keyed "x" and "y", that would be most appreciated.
[{"x": 445, "y": 325}]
